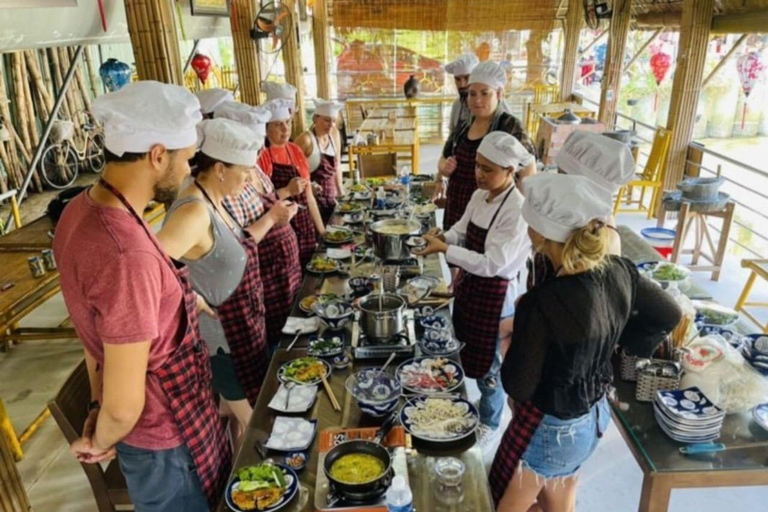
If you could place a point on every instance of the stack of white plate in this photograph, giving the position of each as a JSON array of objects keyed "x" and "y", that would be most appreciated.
[{"x": 688, "y": 416}]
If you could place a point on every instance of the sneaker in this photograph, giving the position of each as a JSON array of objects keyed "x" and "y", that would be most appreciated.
[{"x": 486, "y": 435}]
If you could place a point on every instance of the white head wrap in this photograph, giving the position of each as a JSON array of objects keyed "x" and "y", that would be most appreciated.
[
  {"x": 504, "y": 149},
  {"x": 279, "y": 109},
  {"x": 463, "y": 65},
  {"x": 490, "y": 74},
  {"x": 212, "y": 98},
  {"x": 327, "y": 108},
  {"x": 230, "y": 142},
  {"x": 146, "y": 113},
  {"x": 557, "y": 204},
  {"x": 255, "y": 118},
  {"x": 605, "y": 161},
  {"x": 276, "y": 91}
]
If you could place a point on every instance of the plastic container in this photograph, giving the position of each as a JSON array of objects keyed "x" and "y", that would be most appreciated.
[
  {"x": 399, "y": 497},
  {"x": 661, "y": 239}
]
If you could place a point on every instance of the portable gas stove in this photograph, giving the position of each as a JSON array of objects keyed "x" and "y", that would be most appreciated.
[
  {"x": 403, "y": 344},
  {"x": 411, "y": 267},
  {"x": 396, "y": 441}
]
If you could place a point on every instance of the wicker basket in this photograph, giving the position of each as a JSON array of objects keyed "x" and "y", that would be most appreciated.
[
  {"x": 648, "y": 385},
  {"x": 62, "y": 130},
  {"x": 628, "y": 367}
]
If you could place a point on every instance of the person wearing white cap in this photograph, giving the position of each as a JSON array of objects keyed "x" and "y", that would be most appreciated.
[
  {"x": 460, "y": 69},
  {"x": 486, "y": 85},
  {"x": 135, "y": 311},
  {"x": 280, "y": 91},
  {"x": 558, "y": 369},
  {"x": 285, "y": 164},
  {"x": 255, "y": 118},
  {"x": 223, "y": 260},
  {"x": 490, "y": 246},
  {"x": 608, "y": 163},
  {"x": 210, "y": 99},
  {"x": 321, "y": 145}
]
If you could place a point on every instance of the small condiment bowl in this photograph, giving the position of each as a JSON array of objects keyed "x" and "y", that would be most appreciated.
[
  {"x": 449, "y": 471},
  {"x": 296, "y": 460}
]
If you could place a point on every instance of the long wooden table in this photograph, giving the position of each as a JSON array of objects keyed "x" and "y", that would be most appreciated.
[{"x": 477, "y": 496}]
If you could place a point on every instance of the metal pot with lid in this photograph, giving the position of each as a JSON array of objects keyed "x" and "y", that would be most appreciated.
[
  {"x": 568, "y": 118},
  {"x": 381, "y": 315}
]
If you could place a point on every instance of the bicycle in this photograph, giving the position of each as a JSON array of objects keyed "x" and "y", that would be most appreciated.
[{"x": 61, "y": 160}]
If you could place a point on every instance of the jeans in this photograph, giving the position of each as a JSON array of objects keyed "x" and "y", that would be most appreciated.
[
  {"x": 162, "y": 480},
  {"x": 492, "y": 396}
]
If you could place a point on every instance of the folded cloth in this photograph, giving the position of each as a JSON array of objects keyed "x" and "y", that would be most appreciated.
[
  {"x": 300, "y": 399},
  {"x": 305, "y": 325},
  {"x": 291, "y": 434}
]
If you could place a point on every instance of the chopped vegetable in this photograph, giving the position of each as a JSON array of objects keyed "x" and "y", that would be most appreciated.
[{"x": 669, "y": 272}]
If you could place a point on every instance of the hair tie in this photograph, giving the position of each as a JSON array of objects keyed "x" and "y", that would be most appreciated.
[{"x": 598, "y": 225}]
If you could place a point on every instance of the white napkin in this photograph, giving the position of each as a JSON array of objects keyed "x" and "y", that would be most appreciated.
[
  {"x": 306, "y": 325},
  {"x": 290, "y": 434},
  {"x": 300, "y": 399}
]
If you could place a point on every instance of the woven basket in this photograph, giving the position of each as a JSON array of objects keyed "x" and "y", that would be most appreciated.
[
  {"x": 62, "y": 130},
  {"x": 628, "y": 367},
  {"x": 648, "y": 385}
]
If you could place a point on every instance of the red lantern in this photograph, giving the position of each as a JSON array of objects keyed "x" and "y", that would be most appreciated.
[
  {"x": 202, "y": 66},
  {"x": 660, "y": 64}
]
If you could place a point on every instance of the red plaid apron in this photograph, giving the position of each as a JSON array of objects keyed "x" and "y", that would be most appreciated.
[
  {"x": 186, "y": 380},
  {"x": 462, "y": 183},
  {"x": 325, "y": 176},
  {"x": 306, "y": 234},
  {"x": 242, "y": 318},
  {"x": 477, "y": 307},
  {"x": 526, "y": 418},
  {"x": 280, "y": 273}
]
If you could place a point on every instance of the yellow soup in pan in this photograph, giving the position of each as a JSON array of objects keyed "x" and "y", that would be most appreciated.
[{"x": 357, "y": 468}]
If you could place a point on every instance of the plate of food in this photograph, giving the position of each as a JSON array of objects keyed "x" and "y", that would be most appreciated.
[
  {"x": 439, "y": 419},
  {"x": 352, "y": 218},
  {"x": 358, "y": 187},
  {"x": 307, "y": 303},
  {"x": 376, "y": 182},
  {"x": 424, "y": 210},
  {"x": 665, "y": 272},
  {"x": 304, "y": 371},
  {"x": 350, "y": 207},
  {"x": 265, "y": 487},
  {"x": 430, "y": 375},
  {"x": 713, "y": 314},
  {"x": 325, "y": 346},
  {"x": 337, "y": 235},
  {"x": 362, "y": 196},
  {"x": 321, "y": 265}
]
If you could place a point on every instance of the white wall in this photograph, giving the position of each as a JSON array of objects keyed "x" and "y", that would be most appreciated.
[{"x": 35, "y": 28}]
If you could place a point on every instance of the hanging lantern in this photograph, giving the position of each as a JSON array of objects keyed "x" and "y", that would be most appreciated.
[
  {"x": 749, "y": 66},
  {"x": 202, "y": 66},
  {"x": 115, "y": 74},
  {"x": 660, "y": 64},
  {"x": 483, "y": 52}
]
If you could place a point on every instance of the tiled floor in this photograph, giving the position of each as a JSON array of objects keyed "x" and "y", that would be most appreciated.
[{"x": 31, "y": 373}]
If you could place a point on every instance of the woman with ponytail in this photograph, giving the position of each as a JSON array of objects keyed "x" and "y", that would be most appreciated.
[{"x": 558, "y": 367}]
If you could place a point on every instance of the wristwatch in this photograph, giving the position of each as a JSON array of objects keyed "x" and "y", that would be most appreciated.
[{"x": 92, "y": 406}]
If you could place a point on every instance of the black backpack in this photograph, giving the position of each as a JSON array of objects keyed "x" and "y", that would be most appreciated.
[{"x": 56, "y": 207}]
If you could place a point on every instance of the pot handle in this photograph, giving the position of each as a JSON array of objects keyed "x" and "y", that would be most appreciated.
[{"x": 385, "y": 428}]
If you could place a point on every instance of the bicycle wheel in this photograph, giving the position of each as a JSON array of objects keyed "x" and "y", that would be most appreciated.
[
  {"x": 95, "y": 153},
  {"x": 59, "y": 165}
]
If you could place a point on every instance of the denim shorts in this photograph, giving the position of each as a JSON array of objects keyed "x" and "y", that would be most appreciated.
[{"x": 559, "y": 447}]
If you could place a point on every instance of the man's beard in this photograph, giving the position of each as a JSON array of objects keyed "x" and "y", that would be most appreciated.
[
  {"x": 463, "y": 94},
  {"x": 165, "y": 191}
]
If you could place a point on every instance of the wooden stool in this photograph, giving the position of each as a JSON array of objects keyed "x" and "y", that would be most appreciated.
[
  {"x": 686, "y": 217},
  {"x": 758, "y": 268}
]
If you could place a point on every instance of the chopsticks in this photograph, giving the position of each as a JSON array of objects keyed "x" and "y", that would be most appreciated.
[{"x": 331, "y": 396}]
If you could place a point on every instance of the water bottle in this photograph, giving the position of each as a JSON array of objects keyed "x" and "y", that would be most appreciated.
[
  {"x": 399, "y": 497},
  {"x": 381, "y": 198},
  {"x": 405, "y": 178}
]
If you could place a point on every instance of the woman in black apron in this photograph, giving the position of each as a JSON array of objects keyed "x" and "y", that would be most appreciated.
[
  {"x": 558, "y": 367},
  {"x": 489, "y": 245}
]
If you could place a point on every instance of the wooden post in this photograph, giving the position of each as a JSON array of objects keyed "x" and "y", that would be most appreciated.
[
  {"x": 322, "y": 51},
  {"x": 614, "y": 62},
  {"x": 573, "y": 23},
  {"x": 691, "y": 54},
  {"x": 294, "y": 72},
  {"x": 242, "y": 14},
  {"x": 152, "y": 28}
]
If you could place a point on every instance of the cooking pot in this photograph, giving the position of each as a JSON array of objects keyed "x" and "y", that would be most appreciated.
[
  {"x": 568, "y": 118},
  {"x": 382, "y": 324},
  {"x": 392, "y": 247},
  {"x": 701, "y": 189}
]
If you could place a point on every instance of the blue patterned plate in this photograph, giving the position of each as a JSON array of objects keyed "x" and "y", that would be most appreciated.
[
  {"x": 688, "y": 403},
  {"x": 760, "y": 413},
  {"x": 439, "y": 419}
]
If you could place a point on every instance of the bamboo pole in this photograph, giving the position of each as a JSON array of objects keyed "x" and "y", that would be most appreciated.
[
  {"x": 34, "y": 136},
  {"x": 33, "y": 68},
  {"x": 152, "y": 28},
  {"x": 573, "y": 24},
  {"x": 322, "y": 51},
  {"x": 91, "y": 73},
  {"x": 7, "y": 165},
  {"x": 242, "y": 14},
  {"x": 639, "y": 52},
  {"x": 59, "y": 80},
  {"x": 20, "y": 102},
  {"x": 724, "y": 60},
  {"x": 617, "y": 46},
  {"x": 14, "y": 170},
  {"x": 691, "y": 55},
  {"x": 80, "y": 80},
  {"x": 294, "y": 73}
]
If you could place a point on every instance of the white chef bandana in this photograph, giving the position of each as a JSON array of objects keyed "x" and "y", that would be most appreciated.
[
  {"x": 146, "y": 113},
  {"x": 490, "y": 74},
  {"x": 212, "y": 98},
  {"x": 276, "y": 91},
  {"x": 255, "y": 118},
  {"x": 230, "y": 142},
  {"x": 279, "y": 109},
  {"x": 327, "y": 108},
  {"x": 462, "y": 65},
  {"x": 505, "y": 150},
  {"x": 605, "y": 161},
  {"x": 557, "y": 204}
]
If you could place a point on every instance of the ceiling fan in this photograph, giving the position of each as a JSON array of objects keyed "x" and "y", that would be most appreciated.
[
  {"x": 273, "y": 26},
  {"x": 595, "y": 11}
]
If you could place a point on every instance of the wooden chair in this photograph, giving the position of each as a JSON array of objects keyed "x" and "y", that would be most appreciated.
[
  {"x": 542, "y": 95},
  {"x": 378, "y": 165},
  {"x": 13, "y": 496},
  {"x": 70, "y": 409},
  {"x": 652, "y": 177},
  {"x": 759, "y": 268}
]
